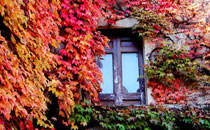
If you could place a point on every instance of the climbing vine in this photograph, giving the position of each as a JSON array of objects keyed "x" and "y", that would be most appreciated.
[
  {"x": 48, "y": 50},
  {"x": 170, "y": 72},
  {"x": 135, "y": 118},
  {"x": 170, "y": 69}
]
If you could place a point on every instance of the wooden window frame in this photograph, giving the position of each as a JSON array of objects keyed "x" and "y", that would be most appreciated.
[{"x": 118, "y": 96}]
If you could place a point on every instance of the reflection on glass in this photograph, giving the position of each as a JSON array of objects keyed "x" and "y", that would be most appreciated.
[
  {"x": 107, "y": 73},
  {"x": 130, "y": 71}
]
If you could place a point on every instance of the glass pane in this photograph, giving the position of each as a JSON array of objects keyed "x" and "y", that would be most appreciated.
[
  {"x": 130, "y": 71},
  {"x": 107, "y": 73},
  {"x": 127, "y": 43}
]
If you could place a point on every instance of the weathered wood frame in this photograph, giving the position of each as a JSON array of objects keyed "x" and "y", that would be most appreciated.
[{"x": 117, "y": 36}]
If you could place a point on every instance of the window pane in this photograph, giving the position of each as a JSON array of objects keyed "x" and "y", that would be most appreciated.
[
  {"x": 107, "y": 73},
  {"x": 127, "y": 43},
  {"x": 130, "y": 71}
]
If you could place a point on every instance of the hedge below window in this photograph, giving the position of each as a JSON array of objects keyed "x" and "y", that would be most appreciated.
[{"x": 142, "y": 118}]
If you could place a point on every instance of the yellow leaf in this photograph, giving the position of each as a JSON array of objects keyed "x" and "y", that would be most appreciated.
[
  {"x": 2, "y": 10},
  {"x": 75, "y": 39},
  {"x": 53, "y": 90},
  {"x": 74, "y": 127},
  {"x": 54, "y": 43},
  {"x": 30, "y": 14},
  {"x": 58, "y": 94},
  {"x": 13, "y": 38},
  {"x": 83, "y": 123},
  {"x": 88, "y": 37},
  {"x": 61, "y": 114},
  {"x": 77, "y": 57},
  {"x": 208, "y": 29}
]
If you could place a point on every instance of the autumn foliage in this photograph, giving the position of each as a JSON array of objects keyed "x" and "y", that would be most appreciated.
[
  {"x": 181, "y": 33},
  {"x": 30, "y": 72},
  {"x": 48, "y": 49}
]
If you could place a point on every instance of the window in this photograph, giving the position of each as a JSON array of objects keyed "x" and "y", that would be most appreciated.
[{"x": 121, "y": 69}]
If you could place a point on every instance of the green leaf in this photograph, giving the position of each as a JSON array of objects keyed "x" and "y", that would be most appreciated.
[
  {"x": 89, "y": 110},
  {"x": 121, "y": 127},
  {"x": 79, "y": 108},
  {"x": 187, "y": 120},
  {"x": 147, "y": 128},
  {"x": 86, "y": 101},
  {"x": 201, "y": 121}
]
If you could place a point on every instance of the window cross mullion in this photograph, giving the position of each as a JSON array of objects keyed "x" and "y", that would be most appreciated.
[{"x": 117, "y": 79}]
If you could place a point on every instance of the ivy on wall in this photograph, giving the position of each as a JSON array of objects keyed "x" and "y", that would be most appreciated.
[
  {"x": 30, "y": 73},
  {"x": 172, "y": 73},
  {"x": 170, "y": 69},
  {"x": 143, "y": 118}
]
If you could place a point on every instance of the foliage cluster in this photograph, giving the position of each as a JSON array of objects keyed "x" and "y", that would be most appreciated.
[
  {"x": 48, "y": 49},
  {"x": 170, "y": 71},
  {"x": 152, "y": 17},
  {"x": 142, "y": 117}
]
